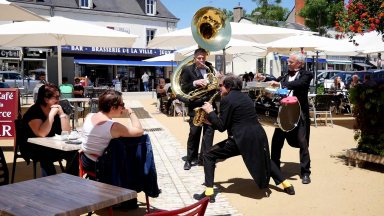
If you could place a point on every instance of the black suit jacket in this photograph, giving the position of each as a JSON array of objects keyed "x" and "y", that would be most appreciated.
[
  {"x": 239, "y": 118},
  {"x": 300, "y": 87},
  {"x": 189, "y": 74}
]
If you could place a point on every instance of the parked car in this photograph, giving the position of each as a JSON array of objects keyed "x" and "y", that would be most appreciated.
[
  {"x": 346, "y": 77},
  {"x": 14, "y": 80},
  {"x": 378, "y": 76},
  {"x": 325, "y": 74}
]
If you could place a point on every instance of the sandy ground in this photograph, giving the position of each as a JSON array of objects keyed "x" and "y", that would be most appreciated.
[{"x": 336, "y": 189}]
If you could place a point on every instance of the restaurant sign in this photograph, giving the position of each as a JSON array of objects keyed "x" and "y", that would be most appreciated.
[
  {"x": 116, "y": 50},
  {"x": 9, "y": 100},
  {"x": 9, "y": 54}
]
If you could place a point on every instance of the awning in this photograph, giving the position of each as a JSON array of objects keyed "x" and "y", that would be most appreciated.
[
  {"x": 363, "y": 65},
  {"x": 124, "y": 62},
  {"x": 320, "y": 60},
  {"x": 333, "y": 61}
]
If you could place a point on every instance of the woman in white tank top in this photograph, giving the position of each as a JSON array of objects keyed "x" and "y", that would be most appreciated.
[{"x": 99, "y": 128}]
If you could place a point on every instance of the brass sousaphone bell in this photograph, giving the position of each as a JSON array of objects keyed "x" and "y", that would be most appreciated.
[{"x": 212, "y": 31}]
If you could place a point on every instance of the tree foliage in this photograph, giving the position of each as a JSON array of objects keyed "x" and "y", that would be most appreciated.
[
  {"x": 361, "y": 16},
  {"x": 268, "y": 12},
  {"x": 321, "y": 14}
]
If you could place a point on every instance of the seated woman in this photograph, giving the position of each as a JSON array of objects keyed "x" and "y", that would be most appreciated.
[
  {"x": 99, "y": 128},
  {"x": 46, "y": 118},
  {"x": 337, "y": 88}
]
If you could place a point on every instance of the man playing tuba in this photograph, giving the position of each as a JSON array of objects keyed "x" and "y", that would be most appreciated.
[{"x": 195, "y": 77}]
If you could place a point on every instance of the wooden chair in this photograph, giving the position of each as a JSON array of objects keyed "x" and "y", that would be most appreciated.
[
  {"x": 19, "y": 139},
  {"x": 194, "y": 209}
]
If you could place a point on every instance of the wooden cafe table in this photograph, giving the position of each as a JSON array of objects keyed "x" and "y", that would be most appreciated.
[{"x": 60, "y": 194}]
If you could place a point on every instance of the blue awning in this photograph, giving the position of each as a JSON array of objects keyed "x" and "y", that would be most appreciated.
[
  {"x": 124, "y": 62},
  {"x": 320, "y": 60}
]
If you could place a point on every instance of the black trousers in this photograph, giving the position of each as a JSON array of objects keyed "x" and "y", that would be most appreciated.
[
  {"x": 194, "y": 140},
  {"x": 226, "y": 149},
  {"x": 298, "y": 138}
]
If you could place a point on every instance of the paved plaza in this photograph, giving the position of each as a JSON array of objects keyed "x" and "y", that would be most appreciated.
[{"x": 336, "y": 189}]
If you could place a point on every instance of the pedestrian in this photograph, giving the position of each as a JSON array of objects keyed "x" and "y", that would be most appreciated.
[{"x": 145, "y": 79}]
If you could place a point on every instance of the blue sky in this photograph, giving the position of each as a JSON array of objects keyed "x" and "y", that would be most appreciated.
[{"x": 185, "y": 9}]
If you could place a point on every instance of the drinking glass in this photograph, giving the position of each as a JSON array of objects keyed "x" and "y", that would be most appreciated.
[{"x": 64, "y": 135}]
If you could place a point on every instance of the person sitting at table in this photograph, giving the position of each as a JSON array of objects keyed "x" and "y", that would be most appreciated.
[
  {"x": 355, "y": 81},
  {"x": 99, "y": 128},
  {"x": 46, "y": 118},
  {"x": 78, "y": 89},
  {"x": 66, "y": 88},
  {"x": 337, "y": 88}
]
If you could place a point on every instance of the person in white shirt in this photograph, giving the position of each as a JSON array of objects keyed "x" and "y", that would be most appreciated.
[
  {"x": 145, "y": 79},
  {"x": 99, "y": 128}
]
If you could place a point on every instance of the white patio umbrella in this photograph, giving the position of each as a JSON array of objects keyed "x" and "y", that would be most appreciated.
[
  {"x": 61, "y": 31},
  {"x": 10, "y": 11},
  {"x": 234, "y": 46},
  {"x": 297, "y": 42},
  {"x": 250, "y": 32}
]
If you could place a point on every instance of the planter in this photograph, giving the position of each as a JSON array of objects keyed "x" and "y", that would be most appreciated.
[{"x": 357, "y": 158}]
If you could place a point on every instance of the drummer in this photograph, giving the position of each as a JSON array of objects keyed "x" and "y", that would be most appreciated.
[{"x": 297, "y": 81}]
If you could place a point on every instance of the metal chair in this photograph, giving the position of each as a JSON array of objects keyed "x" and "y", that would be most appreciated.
[
  {"x": 69, "y": 109},
  {"x": 4, "y": 173},
  {"x": 321, "y": 105},
  {"x": 198, "y": 209}
]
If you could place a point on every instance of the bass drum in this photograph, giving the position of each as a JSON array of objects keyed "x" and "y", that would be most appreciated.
[{"x": 278, "y": 111}]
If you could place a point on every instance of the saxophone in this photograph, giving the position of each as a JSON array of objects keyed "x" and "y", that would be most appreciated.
[{"x": 200, "y": 114}]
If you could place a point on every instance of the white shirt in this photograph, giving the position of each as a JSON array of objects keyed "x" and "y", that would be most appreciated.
[
  {"x": 145, "y": 77},
  {"x": 290, "y": 79},
  {"x": 95, "y": 138}
]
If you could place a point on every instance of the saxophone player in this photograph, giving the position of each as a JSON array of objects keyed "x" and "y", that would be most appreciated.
[{"x": 194, "y": 76}]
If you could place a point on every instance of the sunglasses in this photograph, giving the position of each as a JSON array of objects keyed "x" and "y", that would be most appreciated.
[
  {"x": 56, "y": 97},
  {"x": 221, "y": 85}
]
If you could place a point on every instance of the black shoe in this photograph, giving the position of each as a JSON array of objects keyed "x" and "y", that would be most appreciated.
[
  {"x": 194, "y": 162},
  {"x": 187, "y": 165},
  {"x": 290, "y": 190},
  {"x": 305, "y": 179},
  {"x": 202, "y": 196}
]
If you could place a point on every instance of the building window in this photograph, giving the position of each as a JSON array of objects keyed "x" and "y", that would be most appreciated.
[
  {"x": 85, "y": 3},
  {"x": 150, "y": 7},
  {"x": 150, "y": 34}
]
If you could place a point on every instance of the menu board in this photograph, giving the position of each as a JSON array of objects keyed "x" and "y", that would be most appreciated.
[{"x": 9, "y": 101}]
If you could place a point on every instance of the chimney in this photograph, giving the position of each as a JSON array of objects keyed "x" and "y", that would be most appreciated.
[
  {"x": 238, "y": 13},
  {"x": 299, "y": 4}
]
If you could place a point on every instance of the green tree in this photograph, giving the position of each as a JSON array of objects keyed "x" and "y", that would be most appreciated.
[
  {"x": 320, "y": 15},
  {"x": 228, "y": 13},
  {"x": 268, "y": 13},
  {"x": 361, "y": 16}
]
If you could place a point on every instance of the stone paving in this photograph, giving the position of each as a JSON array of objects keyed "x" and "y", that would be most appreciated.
[{"x": 177, "y": 185}]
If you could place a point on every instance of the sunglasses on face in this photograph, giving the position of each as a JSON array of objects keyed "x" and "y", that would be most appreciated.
[{"x": 221, "y": 85}]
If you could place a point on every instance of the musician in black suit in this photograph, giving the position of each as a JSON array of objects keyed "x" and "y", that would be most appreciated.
[
  {"x": 246, "y": 137},
  {"x": 194, "y": 77},
  {"x": 297, "y": 81}
]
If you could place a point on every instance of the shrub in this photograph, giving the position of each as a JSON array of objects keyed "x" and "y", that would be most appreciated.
[{"x": 368, "y": 110}]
